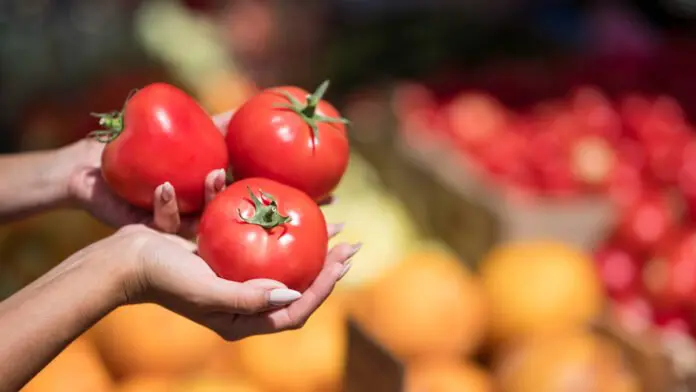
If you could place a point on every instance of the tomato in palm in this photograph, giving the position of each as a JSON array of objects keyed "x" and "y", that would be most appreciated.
[
  {"x": 161, "y": 135},
  {"x": 260, "y": 228},
  {"x": 290, "y": 136}
]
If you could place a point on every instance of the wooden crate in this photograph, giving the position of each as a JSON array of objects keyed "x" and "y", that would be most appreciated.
[{"x": 471, "y": 215}]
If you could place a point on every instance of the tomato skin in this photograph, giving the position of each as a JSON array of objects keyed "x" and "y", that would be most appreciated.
[
  {"x": 276, "y": 143},
  {"x": 167, "y": 136},
  {"x": 292, "y": 253}
]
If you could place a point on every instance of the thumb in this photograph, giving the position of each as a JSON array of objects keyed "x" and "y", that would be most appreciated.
[{"x": 254, "y": 296}]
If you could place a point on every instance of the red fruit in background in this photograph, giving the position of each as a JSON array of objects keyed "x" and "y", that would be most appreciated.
[
  {"x": 674, "y": 320},
  {"x": 287, "y": 135},
  {"x": 626, "y": 184},
  {"x": 162, "y": 135},
  {"x": 595, "y": 114},
  {"x": 634, "y": 110},
  {"x": 670, "y": 276},
  {"x": 593, "y": 162},
  {"x": 619, "y": 271},
  {"x": 687, "y": 179},
  {"x": 259, "y": 228},
  {"x": 645, "y": 222},
  {"x": 475, "y": 120}
]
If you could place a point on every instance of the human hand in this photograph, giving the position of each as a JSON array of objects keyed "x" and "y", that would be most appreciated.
[
  {"x": 164, "y": 269},
  {"x": 88, "y": 188}
]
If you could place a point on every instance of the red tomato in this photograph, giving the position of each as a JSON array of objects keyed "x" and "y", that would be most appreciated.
[
  {"x": 645, "y": 222},
  {"x": 619, "y": 271},
  {"x": 291, "y": 137},
  {"x": 674, "y": 320},
  {"x": 670, "y": 276},
  {"x": 259, "y": 228},
  {"x": 162, "y": 135}
]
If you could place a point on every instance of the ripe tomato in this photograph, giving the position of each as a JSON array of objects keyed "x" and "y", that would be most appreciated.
[
  {"x": 619, "y": 271},
  {"x": 646, "y": 222},
  {"x": 670, "y": 276},
  {"x": 161, "y": 135},
  {"x": 290, "y": 136},
  {"x": 259, "y": 228},
  {"x": 674, "y": 320}
]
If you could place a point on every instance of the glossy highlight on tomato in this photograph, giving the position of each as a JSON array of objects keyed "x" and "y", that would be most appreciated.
[
  {"x": 259, "y": 228},
  {"x": 290, "y": 136},
  {"x": 161, "y": 135}
]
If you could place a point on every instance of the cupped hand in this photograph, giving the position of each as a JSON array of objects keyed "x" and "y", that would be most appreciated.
[
  {"x": 88, "y": 188},
  {"x": 167, "y": 271}
]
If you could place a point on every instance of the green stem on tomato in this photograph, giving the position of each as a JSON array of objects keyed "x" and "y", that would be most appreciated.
[
  {"x": 308, "y": 111},
  {"x": 113, "y": 122},
  {"x": 265, "y": 215}
]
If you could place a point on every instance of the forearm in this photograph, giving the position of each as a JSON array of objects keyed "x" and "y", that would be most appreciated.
[
  {"x": 35, "y": 181},
  {"x": 42, "y": 319}
]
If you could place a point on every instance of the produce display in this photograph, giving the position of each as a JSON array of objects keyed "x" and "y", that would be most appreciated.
[
  {"x": 450, "y": 326},
  {"x": 585, "y": 143}
]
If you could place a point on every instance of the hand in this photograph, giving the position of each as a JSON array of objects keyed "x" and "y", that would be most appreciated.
[
  {"x": 165, "y": 270},
  {"x": 88, "y": 188}
]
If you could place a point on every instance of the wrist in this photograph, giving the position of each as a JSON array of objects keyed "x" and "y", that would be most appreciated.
[{"x": 111, "y": 275}]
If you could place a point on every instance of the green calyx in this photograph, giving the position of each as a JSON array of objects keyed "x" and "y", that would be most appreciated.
[
  {"x": 113, "y": 122},
  {"x": 308, "y": 111},
  {"x": 265, "y": 215}
]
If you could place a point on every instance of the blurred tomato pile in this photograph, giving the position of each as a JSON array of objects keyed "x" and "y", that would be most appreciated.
[{"x": 585, "y": 143}]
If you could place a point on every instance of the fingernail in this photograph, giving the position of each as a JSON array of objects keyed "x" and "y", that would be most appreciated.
[
  {"x": 167, "y": 192},
  {"x": 220, "y": 177},
  {"x": 355, "y": 248},
  {"x": 283, "y": 296},
  {"x": 345, "y": 270},
  {"x": 336, "y": 228}
]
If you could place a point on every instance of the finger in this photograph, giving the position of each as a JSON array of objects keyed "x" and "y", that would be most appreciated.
[
  {"x": 166, "y": 211},
  {"x": 329, "y": 200},
  {"x": 334, "y": 229},
  {"x": 268, "y": 284},
  {"x": 214, "y": 184},
  {"x": 296, "y": 314},
  {"x": 221, "y": 120},
  {"x": 248, "y": 298}
]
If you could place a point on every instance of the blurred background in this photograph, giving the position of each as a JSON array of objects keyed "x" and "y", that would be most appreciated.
[{"x": 523, "y": 177}]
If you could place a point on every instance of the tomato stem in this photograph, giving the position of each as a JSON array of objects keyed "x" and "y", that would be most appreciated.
[
  {"x": 308, "y": 111},
  {"x": 265, "y": 215},
  {"x": 114, "y": 123}
]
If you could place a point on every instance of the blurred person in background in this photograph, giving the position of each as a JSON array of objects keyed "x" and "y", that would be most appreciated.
[{"x": 142, "y": 262}]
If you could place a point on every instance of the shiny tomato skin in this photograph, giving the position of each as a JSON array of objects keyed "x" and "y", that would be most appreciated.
[
  {"x": 292, "y": 253},
  {"x": 167, "y": 137},
  {"x": 276, "y": 143}
]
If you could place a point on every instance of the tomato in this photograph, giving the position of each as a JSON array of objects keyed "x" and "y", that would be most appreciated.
[
  {"x": 289, "y": 136},
  {"x": 674, "y": 320},
  {"x": 259, "y": 228},
  {"x": 645, "y": 222},
  {"x": 670, "y": 276},
  {"x": 619, "y": 271},
  {"x": 161, "y": 135}
]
